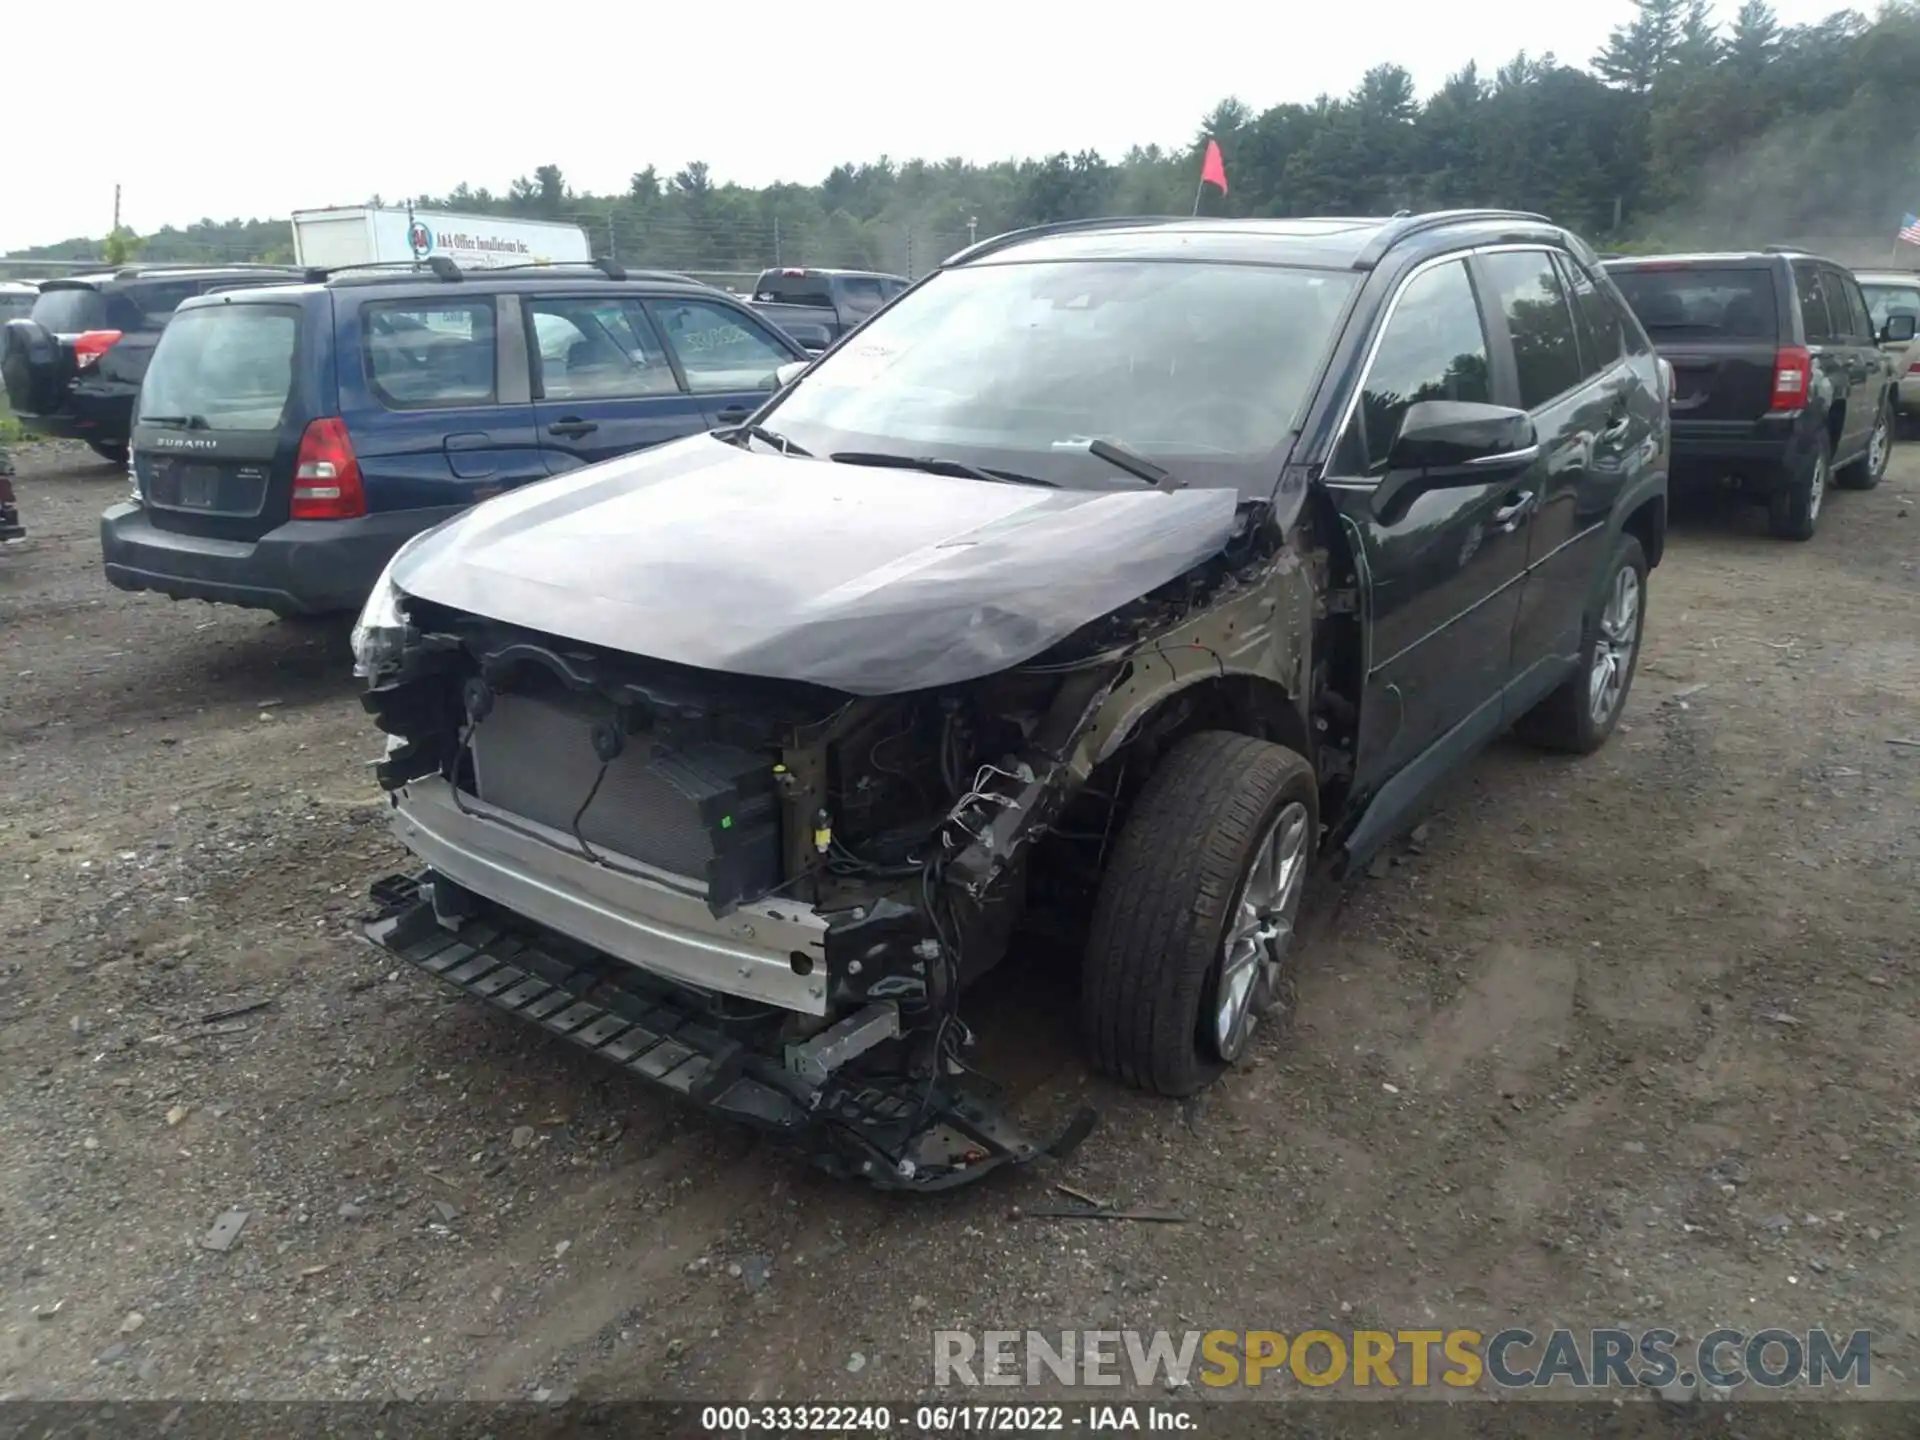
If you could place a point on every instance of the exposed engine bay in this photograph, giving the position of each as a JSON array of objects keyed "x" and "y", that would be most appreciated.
[{"x": 771, "y": 895}]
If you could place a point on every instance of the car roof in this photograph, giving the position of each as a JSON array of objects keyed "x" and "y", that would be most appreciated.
[
  {"x": 1888, "y": 277},
  {"x": 1328, "y": 242},
  {"x": 413, "y": 284},
  {"x": 93, "y": 279}
]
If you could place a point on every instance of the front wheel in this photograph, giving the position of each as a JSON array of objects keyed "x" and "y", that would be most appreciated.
[
  {"x": 1194, "y": 925},
  {"x": 1871, "y": 468},
  {"x": 1580, "y": 715}
]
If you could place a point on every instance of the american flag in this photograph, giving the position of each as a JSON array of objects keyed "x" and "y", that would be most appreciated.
[{"x": 1910, "y": 229}]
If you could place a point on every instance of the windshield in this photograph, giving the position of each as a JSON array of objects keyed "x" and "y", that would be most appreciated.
[
  {"x": 1736, "y": 304},
  {"x": 1885, "y": 300},
  {"x": 1203, "y": 367},
  {"x": 229, "y": 365}
]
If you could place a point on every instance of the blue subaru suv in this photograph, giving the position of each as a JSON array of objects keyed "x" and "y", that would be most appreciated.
[{"x": 290, "y": 438}]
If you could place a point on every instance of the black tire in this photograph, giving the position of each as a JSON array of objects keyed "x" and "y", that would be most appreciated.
[
  {"x": 1155, "y": 953},
  {"x": 1871, "y": 468},
  {"x": 1566, "y": 719},
  {"x": 113, "y": 451},
  {"x": 1793, "y": 511}
]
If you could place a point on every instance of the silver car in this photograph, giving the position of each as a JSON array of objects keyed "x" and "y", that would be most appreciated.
[{"x": 1890, "y": 293}]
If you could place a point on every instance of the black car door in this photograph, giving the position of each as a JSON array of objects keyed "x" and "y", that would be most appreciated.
[
  {"x": 1583, "y": 421},
  {"x": 1440, "y": 579},
  {"x": 1825, "y": 318}
]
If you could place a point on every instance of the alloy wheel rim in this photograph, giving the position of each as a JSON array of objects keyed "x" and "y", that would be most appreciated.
[
  {"x": 1877, "y": 454},
  {"x": 1613, "y": 648},
  {"x": 1817, "y": 488},
  {"x": 1261, "y": 933}
]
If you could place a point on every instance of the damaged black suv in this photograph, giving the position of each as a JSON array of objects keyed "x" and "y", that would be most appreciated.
[{"x": 1095, "y": 587}]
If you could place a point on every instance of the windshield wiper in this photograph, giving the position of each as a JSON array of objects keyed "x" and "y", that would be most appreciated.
[
  {"x": 1134, "y": 464},
  {"x": 935, "y": 466},
  {"x": 770, "y": 437},
  {"x": 178, "y": 422}
]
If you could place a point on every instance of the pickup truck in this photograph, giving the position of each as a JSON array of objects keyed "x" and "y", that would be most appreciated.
[{"x": 817, "y": 307}]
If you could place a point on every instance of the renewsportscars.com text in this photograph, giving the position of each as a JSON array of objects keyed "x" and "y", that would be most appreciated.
[{"x": 1403, "y": 1359}]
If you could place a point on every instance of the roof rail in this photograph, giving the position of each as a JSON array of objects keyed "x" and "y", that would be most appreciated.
[
  {"x": 439, "y": 266},
  {"x": 1058, "y": 227},
  {"x": 130, "y": 272},
  {"x": 1399, "y": 228}
]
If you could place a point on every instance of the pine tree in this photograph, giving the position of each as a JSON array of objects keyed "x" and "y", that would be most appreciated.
[{"x": 1638, "y": 51}]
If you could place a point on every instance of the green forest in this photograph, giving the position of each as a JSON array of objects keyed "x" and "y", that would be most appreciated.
[{"x": 1680, "y": 131}]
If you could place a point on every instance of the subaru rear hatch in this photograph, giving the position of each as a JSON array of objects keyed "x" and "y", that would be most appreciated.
[
  {"x": 1718, "y": 324},
  {"x": 219, "y": 425}
]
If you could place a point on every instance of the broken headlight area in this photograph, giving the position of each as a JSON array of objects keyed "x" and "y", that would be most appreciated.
[{"x": 808, "y": 879}]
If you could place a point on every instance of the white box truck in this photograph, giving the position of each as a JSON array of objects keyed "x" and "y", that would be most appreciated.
[{"x": 367, "y": 234}]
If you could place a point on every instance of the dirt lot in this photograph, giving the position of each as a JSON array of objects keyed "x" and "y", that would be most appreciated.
[{"x": 1631, "y": 1040}]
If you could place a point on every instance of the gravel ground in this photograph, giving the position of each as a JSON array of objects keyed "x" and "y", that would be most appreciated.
[{"x": 1630, "y": 1040}]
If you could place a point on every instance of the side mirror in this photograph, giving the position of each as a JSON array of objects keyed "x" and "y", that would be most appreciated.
[
  {"x": 1460, "y": 434},
  {"x": 788, "y": 373},
  {"x": 1448, "y": 444},
  {"x": 1899, "y": 327}
]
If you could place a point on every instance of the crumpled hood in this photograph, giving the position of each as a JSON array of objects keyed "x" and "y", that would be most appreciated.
[{"x": 870, "y": 581}]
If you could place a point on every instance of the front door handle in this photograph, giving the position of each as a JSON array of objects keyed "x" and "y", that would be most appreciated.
[
  {"x": 572, "y": 428},
  {"x": 733, "y": 414},
  {"x": 1509, "y": 515}
]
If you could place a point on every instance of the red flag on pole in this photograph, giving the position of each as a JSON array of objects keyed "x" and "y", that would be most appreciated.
[{"x": 1213, "y": 170}]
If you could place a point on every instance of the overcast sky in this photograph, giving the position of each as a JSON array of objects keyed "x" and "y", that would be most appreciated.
[{"x": 250, "y": 110}]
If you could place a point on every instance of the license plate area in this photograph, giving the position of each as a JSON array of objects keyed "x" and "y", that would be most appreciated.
[{"x": 207, "y": 489}]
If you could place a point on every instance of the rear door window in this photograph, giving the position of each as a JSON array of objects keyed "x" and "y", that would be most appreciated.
[
  {"x": 1601, "y": 329},
  {"x": 1533, "y": 296},
  {"x": 1824, "y": 323},
  {"x": 1704, "y": 303},
  {"x": 1859, "y": 326},
  {"x": 157, "y": 299},
  {"x": 224, "y": 367},
  {"x": 719, "y": 348},
  {"x": 426, "y": 355},
  {"x": 597, "y": 348}
]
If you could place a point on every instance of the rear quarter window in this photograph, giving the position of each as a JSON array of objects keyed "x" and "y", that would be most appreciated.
[
  {"x": 428, "y": 355},
  {"x": 1733, "y": 304}
]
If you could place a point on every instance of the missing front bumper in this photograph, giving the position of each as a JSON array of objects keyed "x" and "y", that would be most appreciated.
[{"x": 896, "y": 1132}]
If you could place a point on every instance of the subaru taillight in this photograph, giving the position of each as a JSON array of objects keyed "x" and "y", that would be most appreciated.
[
  {"x": 1792, "y": 377},
  {"x": 90, "y": 345},
  {"x": 326, "y": 476}
]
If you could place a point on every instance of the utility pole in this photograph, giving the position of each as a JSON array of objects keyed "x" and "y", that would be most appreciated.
[
  {"x": 613, "y": 244},
  {"x": 973, "y": 225},
  {"x": 116, "y": 209},
  {"x": 776, "y": 242},
  {"x": 909, "y": 254}
]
